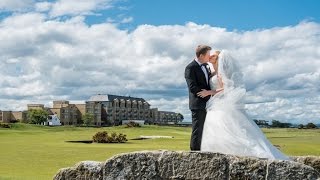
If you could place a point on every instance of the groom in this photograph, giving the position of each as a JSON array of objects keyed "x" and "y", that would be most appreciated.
[{"x": 197, "y": 76}]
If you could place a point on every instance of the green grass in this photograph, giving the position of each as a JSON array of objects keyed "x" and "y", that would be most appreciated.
[
  {"x": 296, "y": 142},
  {"x": 38, "y": 152}
]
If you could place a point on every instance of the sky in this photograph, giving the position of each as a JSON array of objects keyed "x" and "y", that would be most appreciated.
[{"x": 73, "y": 49}]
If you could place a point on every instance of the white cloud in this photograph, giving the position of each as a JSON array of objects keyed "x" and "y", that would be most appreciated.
[
  {"x": 126, "y": 20},
  {"x": 43, "y": 59},
  {"x": 75, "y": 7},
  {"x": 58, "y": 8},
  {"x": 43, "y": 6},
  {"x": 16, "y": 5}
]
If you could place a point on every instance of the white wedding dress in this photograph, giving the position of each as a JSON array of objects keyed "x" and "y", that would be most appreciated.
[{"x": 227, "y": 128}]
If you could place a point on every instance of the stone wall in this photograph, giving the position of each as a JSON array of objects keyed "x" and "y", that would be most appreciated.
[{"x": 191, "y": 165}]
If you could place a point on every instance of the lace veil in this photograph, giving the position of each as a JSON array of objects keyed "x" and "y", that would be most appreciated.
[{"x": 233, "y": 84}]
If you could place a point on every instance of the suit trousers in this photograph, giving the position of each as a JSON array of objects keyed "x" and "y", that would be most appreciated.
[{"x": 198, "y": 118}]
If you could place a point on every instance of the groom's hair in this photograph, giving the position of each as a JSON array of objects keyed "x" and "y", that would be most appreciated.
[{"x": 202, "y": 49}]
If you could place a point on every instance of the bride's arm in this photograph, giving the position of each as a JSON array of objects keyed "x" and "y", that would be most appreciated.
[
  {"x": 220, "y": 82},
  {"x": 205, "y": 93}
]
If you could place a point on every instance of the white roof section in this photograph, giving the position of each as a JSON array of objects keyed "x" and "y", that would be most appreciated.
[
  {"x": 77, "y": 102},
  {"x": 99, "y": 97}
]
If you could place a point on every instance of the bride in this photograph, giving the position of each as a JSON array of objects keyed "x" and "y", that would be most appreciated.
[{"x": 227, "y": 128}]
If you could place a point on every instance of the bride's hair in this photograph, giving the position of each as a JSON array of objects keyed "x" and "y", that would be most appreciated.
[{"x": 230, "y": 69}]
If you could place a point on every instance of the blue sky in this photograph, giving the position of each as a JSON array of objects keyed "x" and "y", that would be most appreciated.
[
  {"x": 73, "y": 49},
  {"x": 230, "y": 14}
]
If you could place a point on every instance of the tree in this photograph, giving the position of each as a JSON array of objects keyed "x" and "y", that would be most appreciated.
[
  {"x": 279, "y": 124},
  {"x": 262, "y": 123},
  {"x": 276, "y": 123},
  {"x": 311, "y": 126},
  {"x": 181, "y": 116},
  {"x": 37, "y": 116},
  {"x": 88, "y": 119},
  {"x": 300, "y": 126}
]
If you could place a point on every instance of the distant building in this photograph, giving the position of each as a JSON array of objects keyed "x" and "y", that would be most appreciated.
[
  {"x": 5, "y": 116},
  {"x": 112, "y": 110},
  {"x": 69, "y": 114},
  {"x": 53, "y": 120},
  {"x": 107, "y": 110},
  {"x": 167, "y": 117},
  {"x": 35, "y": 106},
  {"x": 19, "y": 116},
  {"x": 13, "y": 116}
]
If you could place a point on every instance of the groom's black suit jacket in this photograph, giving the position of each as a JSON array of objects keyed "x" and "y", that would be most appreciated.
[{"x": 196, "y": 81}]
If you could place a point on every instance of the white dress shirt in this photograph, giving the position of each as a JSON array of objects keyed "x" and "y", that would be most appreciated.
[{"x": 203, "y": 69}]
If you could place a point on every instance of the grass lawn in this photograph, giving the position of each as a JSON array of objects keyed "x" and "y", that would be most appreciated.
[{"x": 38, "y": 152}]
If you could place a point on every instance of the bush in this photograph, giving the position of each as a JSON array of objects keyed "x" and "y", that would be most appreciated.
[
  {"x": 5, "y": 125},
  {"x": 14, "y": 121},
  {"x": 311, "y": 126},
  {"x": 132, "y": 124},
  {"x": 103, "y": 137}
]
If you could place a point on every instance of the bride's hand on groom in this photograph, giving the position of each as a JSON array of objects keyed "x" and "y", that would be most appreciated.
[{"x": 204, "y": 93}]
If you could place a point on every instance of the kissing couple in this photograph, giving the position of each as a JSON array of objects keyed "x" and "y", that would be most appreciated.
[{"x": 219, "y": 121}]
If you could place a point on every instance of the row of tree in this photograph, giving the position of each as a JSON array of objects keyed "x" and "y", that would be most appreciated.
[
  {"x": 307, "y": 126},
  {"x": 278, "y": 124}
]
